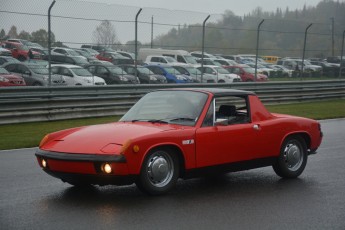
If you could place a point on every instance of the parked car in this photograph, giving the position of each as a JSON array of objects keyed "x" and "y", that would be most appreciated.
[
  {"x": 77, "y": 75},
  {"x": 89, "y": 57},
  {"x": 115, "y": 58},
  {"x": 328, "y": 69},
  {"x": 98, "y": 48},
  {"x": 42, "y": 51},
  {"x": 145, "y": 75},
  {"x": 198, "y": 54},
  {"x": 220, "y": 75},
  {"x": 180, "y": 55},
  {"x": 171, "y": 74},
  {"x": 283, "y": 71},
  {"x": 196, "y": 74},
  {"x": 63, "y": 59},
  {"x": 34, "y": 75},
  {"x": 19, "y": 51},
  {"x": 7, "y": 59},
  {"x": 246, "y": 73},
  {"x": 112, "y": 74},
  {"x": 162, "y": 60},
  {"x": 126, "y": 54},
  {"x": 67, "y": 52},
  {"x": 8, "y": 79},
  {"x": 181, "y": 133},
  {"x": 5, "y": 52}
]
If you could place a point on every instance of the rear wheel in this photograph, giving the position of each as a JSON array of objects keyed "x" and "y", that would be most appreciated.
[
  {"x": 159, "y": 172},
  {"x": 293, "y": 158}
]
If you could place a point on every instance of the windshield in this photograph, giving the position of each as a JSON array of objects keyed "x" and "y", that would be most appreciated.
[
  {"x": 3, "y": 71},
  {"x": 80, "y": 60},
  {"x": 173, "y": 107},
  {"x": 249, "y": 70},
  {"x": 39, "y": 69},
  {"x": 81, "y": 72},
  {"x": 170, "y": 59},
  {"x": 172, "y": 70},
  {"x": 145, "y": 70},
  {"x": 221, "y": 70},
  {"x": 193, "y": 71},
  {"x": 190, "y": 60},
  {"x": 117, "y": 70}
]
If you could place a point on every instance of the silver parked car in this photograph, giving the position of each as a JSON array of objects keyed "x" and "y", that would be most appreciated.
[{"x": 34, "y": 74}]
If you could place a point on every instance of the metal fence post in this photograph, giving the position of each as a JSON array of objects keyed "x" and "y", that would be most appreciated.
[
  {"x": 341, "y": 55},
  {"x": 305, "y": 43},
  {"x": 49, "y": 45},
  {"x": 136, "y": 38},
  {"x": 203, "y": 45},
  {"x": 257, "y": 49}
]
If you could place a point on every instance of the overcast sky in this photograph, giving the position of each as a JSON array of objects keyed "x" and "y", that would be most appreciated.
[
  {"x": 239, "y": 7},
  {"x": 166, "y": 14}
]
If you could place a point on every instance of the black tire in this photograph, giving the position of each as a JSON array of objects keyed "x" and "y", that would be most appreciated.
[
  {"x": 292, "y": 159},
  {"x": 159, "y": 172}
]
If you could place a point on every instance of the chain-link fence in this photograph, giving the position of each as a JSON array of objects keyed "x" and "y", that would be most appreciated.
[{"x": 74, "y": 23}]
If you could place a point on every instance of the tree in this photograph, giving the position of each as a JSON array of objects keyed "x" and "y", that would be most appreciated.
[
  {"x": 12, "y": 33},
  {"x": 2, "y": 34},
  {"x": 24, "y": 35},
  {"x": 105, "y": 34},
  {"x": 41, "y": 37}
]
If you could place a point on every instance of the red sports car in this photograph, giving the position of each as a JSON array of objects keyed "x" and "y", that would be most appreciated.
[{"x": 181, "y": 133}]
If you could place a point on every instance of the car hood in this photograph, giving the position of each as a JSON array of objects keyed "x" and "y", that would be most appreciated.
[
  {"x": 11, "y": 77},
  {"x": 97, "y": 139}
]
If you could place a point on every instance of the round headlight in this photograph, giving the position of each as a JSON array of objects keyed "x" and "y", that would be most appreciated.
[
  {"x": 44, "y": 163},
  {"x": 107, "y": 168}
]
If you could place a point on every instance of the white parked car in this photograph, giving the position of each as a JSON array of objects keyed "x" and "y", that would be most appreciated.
[
  {"x": 220, "y": 74},
  {"x": 162, "y": 60},
  {"x": 77, "y": 74}
]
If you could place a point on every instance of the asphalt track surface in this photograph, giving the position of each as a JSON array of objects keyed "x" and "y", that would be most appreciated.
[{"x": 254, "y": 199}]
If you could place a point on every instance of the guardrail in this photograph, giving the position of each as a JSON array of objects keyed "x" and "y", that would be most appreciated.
[{"x": 28, "y": 104}]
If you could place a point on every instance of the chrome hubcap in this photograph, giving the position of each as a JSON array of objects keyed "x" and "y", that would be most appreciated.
[
  {"x": 293, "y": 156},
  {"x": 160, "y": 170}
]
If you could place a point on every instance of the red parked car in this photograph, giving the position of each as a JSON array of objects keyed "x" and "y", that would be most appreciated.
[
  {"x": 19, "y": 51},
  {"x": 181, "y": 133},
  {"x": 8, "y": 79},
  {"x": 246, "y": 73},
  {"x": 114, "y": 57}
]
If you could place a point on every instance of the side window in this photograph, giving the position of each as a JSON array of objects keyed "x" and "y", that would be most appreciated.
[
  {"x": 102, "y": 70},
  {"x": 154, "y": 59},
  {"x": 208, "y": 70},
  {"x": 55, "y": 70},
  {"x": 180, "y": 59},
  {"x": 11, "y": 68},
  {"x": 67, "y": 72},
  {"x": 92, "y": 69},
  {"x": 232, "y": 110},
  {"x": 130, "y": 70},
  {"x": 69, "y": 60},
  {"x": 22, "y": 69},
  {"x": 162, "y": 60}
]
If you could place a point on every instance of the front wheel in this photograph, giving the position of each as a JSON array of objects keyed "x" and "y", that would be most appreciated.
[
  {"x": 292, "y": 159},
  {"x": 159, "y": 172}
]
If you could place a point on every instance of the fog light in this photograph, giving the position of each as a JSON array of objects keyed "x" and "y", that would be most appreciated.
[
  {"x": 107, "y": 168},
  {"x": 44, "y": 163}
]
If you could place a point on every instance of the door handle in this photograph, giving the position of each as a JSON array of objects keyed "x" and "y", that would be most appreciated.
[{"x": 256, "y": 127}]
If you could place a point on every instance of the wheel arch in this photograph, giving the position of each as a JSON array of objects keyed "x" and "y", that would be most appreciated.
[
  {"x": 305, "y": 136},
  {"x": 172, "y": 148}
]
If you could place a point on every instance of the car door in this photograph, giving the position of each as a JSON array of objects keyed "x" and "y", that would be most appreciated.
[
  {"x": 102, "y": 72},
  {"x": 220, "y": 143},
  {"x": 26, "y": 74}
]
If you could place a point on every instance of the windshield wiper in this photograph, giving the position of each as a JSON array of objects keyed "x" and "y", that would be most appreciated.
[
  {"x": 151, "y": 120},
  {"x": 182, "y": 119}
]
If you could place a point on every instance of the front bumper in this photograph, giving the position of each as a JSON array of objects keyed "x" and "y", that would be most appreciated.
[{"x": 85, "y": 168}]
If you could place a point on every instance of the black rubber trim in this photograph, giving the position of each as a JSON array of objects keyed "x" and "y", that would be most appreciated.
[{"x": 80, "y": 157}]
